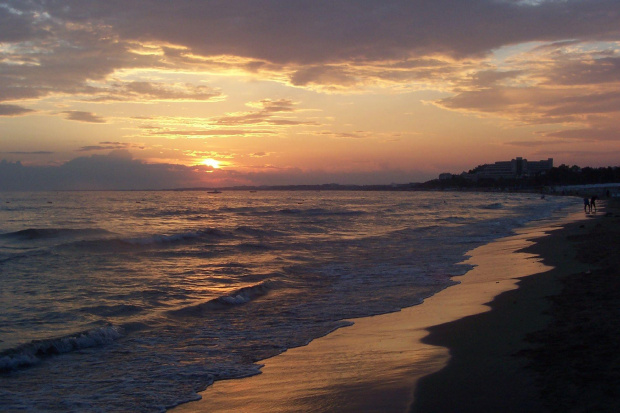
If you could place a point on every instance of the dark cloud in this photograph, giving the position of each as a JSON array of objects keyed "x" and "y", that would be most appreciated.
[
  {"x": 322, "y": 31},
  {"x": 17, "y": 26},
  {"x": 588, "y": 134},
  {"x": 104, "y": 146},
  {"x": 530, "y": 144},
  {"x": 84, "y": 50},
  {"x": 589, "y": 70},
  {"x": 29, "y": 153},
  {"x": 566, "y": 84},
  {"x": 150, "y": 91},
  {"x": 324, "y": 75},
  {"x": 599, "y": 103},
  {"x": 277, "y": 106},
  {"x": 268, "y": 109},
  {"x": 58, "y": 46},
  {"x": 119, "y": 171},
  {"x": 81, "y": 116},
  {"x": 63, "y": 61},
  {"x": 13, "y": 110}
]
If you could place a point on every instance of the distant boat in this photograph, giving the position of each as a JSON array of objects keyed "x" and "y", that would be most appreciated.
[{"x": 215, "y": 191}]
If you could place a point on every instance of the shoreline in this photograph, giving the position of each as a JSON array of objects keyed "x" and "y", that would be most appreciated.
[
  {"x": 569, "y": 362},
  {"x": 376, "y": 364}
]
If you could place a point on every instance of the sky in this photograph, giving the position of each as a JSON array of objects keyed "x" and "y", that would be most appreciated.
[{"x": 151, "y": 94}]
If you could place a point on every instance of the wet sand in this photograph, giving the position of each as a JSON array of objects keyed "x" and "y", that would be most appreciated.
[
  {"x": 473, "y": 360},
  {"x": 570, "y": 364}
]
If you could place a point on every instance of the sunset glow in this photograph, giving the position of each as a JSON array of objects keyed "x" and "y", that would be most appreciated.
[
  {"x": 212, "y": 163},
  {"x": 386, "y": 92}
]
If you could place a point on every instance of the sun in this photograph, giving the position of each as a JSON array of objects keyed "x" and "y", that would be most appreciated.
[{"x": 212, "y": 163}]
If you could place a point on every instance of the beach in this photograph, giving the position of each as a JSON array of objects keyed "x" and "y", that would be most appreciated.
[
  {"x": 496, "y": 342},
  {"x": 286, "y": 302}
]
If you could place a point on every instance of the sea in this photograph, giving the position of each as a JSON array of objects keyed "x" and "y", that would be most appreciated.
[{"x": 137, "y": 301}]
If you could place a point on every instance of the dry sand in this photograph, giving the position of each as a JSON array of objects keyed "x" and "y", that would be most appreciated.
[
  {"x": 473, "y": 360},
  {"x": 570, "y": 364}
]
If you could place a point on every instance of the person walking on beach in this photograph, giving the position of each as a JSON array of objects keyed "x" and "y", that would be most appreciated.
[
  {"x": 593, "y": 203},
  {"x": 586, "y": 205}
]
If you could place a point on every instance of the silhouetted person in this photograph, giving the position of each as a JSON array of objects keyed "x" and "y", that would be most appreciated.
[
  {"x": 586, "y": 205},
  {"x": 593, "y": 203}
]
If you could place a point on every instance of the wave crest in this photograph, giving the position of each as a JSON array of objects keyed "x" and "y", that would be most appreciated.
[
  {"x": 239, "y": 297},
  {"x": 45, "y": 233},
  {"x": 169, "y": 239},
  {"x": 32, "y": 353}
]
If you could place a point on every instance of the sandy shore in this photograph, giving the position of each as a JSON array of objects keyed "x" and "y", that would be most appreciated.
[{"x": 476, "y": 357}]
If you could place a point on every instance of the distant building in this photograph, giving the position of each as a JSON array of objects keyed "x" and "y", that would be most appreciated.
[{"x": 516, "y": 168}]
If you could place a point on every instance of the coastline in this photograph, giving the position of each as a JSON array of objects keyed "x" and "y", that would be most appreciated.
[
  {"x": 569, "y": 363},
  {"x": 376, "y": 364}
]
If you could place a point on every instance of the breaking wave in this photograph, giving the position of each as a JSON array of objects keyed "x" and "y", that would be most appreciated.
[
  {"x": 169, "y": 239},
  {"x": 45, "y": 233},
  {"x": 239, "y": 297},
  {"x": 34, "y": 352}
]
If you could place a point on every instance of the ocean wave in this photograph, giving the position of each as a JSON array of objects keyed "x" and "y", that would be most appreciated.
[
  {"x": 256, "y": 232},
  {"x": 112, "y": 310},
  {"x": 496, "y": 205},
  {"x": 34, "y": 352},
  {"x": 21, "y": 254},
  {"x": 321, "y": 212},
  {"x": 45, "y": 233},
  {"x": 455, "y": 219},
  {"x": 167, "y": 239},
  {"x": 161, "y": 213},
  {"x": 150, "y": 240},
  {"x": 244, "y": 210},
  {"x": 239, "y": 297},
  {"x": 254, "y": 246}
]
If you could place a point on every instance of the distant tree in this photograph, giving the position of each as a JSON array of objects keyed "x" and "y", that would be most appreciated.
[{"x": 561, "y": 175}]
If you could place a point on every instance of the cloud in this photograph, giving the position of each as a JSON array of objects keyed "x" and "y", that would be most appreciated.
[
  {"x": 29, "y": 153},
  {"x": 584, "y": 69},
  {"x": 529, "y": 62},
  {"x": 151, "y": 91},
  {"x": 106, "y": 146},
  {"x": 265, "y": 115},
  {"x": 63, "y": 47},
  {"x": 17, "y": 26},
  {"x": 212, "y": 132},
  {"x": 318, "y": 32},
  {"x": 530, "y": 143},
  {"x": 13, "y": 110},
  {"x": 81, "y": 116},
  {"x": 324, "y": 75},
  {"x": 347, "y": 135},
  {"x": 588, "y": 134},
  {"x": 118, "y": 170},
  {"x": 576, "y": 86}
]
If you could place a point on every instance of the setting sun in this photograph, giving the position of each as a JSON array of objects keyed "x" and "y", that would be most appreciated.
[{"x": 212, "y": 163}]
